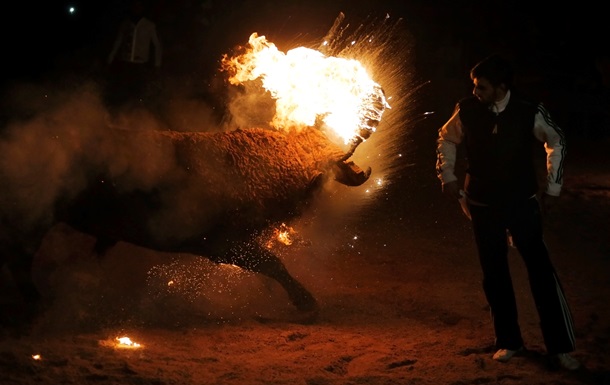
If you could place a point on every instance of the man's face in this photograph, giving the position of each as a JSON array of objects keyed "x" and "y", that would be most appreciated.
[{"x": 484, "y": 91}]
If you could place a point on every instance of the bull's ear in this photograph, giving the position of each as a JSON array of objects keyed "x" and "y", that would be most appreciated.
[{"x": 349, "y": 174}]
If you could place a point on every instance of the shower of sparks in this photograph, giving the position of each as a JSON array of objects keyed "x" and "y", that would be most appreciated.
[{"x": 192, "y": 279}]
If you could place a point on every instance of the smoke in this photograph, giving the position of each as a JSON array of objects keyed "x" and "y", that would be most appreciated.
[
  {"x": 39, "y": 150},
  {"x": 56, "y": 132}
]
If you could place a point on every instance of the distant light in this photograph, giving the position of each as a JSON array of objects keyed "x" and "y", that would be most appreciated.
[{"x": 71, "y": 10}]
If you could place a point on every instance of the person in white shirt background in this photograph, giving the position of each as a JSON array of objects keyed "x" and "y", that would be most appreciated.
[{"x": 135, "y": 57}]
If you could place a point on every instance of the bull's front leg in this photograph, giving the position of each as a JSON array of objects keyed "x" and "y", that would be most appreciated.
[{"x": 258, "y": 259}]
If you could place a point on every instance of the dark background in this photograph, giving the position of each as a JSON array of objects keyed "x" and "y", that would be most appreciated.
[{"x": 561, "y": 50}]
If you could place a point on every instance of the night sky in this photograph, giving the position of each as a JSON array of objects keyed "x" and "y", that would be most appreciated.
[
  {"x": 37, "y": 32},
  {"x": 562, "y": 44}
]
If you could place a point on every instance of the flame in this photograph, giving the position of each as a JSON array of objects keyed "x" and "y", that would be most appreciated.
[
  {"x": 36, "y": 357},
  {"x": 283, "y": 234},
  {"x": 127, "y": 342},
  {"x": 311, "y": 89},
  {"x": 284, "y": 237}
]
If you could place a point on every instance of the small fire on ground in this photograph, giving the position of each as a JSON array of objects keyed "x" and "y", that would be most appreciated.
[
  {"x": 121, "y": 343},
  {"x": 126, "y": 342}
]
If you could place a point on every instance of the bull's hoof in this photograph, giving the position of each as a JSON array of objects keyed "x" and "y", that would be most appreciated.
[
  {"x": 307, "y": 307},
  {"x": 306, "y": 317},
  {"x": 306, "y": 304}
]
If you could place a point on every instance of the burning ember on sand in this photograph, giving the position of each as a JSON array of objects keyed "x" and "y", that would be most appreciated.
[
  {"x": 334, "y": 94},
  {"x": 126, "y": 343},
  {"x": 120, "y": 343}
]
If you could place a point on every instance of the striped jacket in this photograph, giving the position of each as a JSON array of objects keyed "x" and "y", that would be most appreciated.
[{"x": 497, "y": 140}]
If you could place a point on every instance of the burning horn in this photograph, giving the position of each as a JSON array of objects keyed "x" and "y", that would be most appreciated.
[{"x": 349, "y": 174}]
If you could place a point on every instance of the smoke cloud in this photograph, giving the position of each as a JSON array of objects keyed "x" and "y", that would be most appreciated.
[{"x": 57, "y": 133}]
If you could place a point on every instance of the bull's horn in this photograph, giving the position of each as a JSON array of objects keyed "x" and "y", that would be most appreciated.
[{"x": 349, "y": 174}]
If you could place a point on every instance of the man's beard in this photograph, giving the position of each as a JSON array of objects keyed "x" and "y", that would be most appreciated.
[{"x": 491, "y": 100}]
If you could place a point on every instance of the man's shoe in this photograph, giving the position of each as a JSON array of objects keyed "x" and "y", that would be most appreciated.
[
  {"x": 566, "y": 361},
  {"x": 503, "y": 355}
]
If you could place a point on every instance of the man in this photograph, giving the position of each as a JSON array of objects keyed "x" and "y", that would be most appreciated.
[
  {"x": 135, "y": 37},
  {"x": 131, "y": 57},
  {"x": 497, "y": 130}
]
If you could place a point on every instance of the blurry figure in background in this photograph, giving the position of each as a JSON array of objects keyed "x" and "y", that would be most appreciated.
[
  {"x": 135, "y": 58},
  {"x": 498, "y": 130}
]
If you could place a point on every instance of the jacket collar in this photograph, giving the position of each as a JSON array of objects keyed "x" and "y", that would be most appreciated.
[{"x": 500, "y": 106}]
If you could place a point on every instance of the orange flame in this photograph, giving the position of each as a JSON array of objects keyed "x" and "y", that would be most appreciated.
[
  {"x": 312, "y": 89},
  {"x": 126, "y": 342},
  {"x": 283, "y": 234}
]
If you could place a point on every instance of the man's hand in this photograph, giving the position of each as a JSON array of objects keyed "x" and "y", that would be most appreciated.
[{"x": 451, "y": 190}]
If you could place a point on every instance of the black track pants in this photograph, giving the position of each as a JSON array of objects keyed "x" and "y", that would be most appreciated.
[{"x": 523, "y": 220}]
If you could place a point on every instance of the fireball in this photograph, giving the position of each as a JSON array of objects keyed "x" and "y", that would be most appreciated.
[{"x": 311, "y": 89}]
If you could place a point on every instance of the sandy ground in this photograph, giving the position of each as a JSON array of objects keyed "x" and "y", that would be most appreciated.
[
  {"x": 399, "y": 291},
  {"x": 401, "y": 304}
]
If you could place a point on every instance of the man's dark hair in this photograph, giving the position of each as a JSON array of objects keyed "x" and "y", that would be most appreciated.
[{"x": 496, "y": 69}]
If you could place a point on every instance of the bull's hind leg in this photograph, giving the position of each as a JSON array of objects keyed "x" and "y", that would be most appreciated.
[{"x": 260, "y": 260}]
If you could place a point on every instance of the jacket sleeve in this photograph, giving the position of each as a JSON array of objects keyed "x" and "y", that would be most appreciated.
[
  {"x": 449, "y": 137},
  {"x": 548, "y": 132}
]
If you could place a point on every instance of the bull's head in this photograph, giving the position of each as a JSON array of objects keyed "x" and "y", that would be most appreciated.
[
  {"x": 349, "y": 174},
  {"x": 346, "y": 171}
]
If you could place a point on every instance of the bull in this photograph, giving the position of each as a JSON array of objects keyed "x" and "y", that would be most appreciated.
[{"x": 201, "y": 193}]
